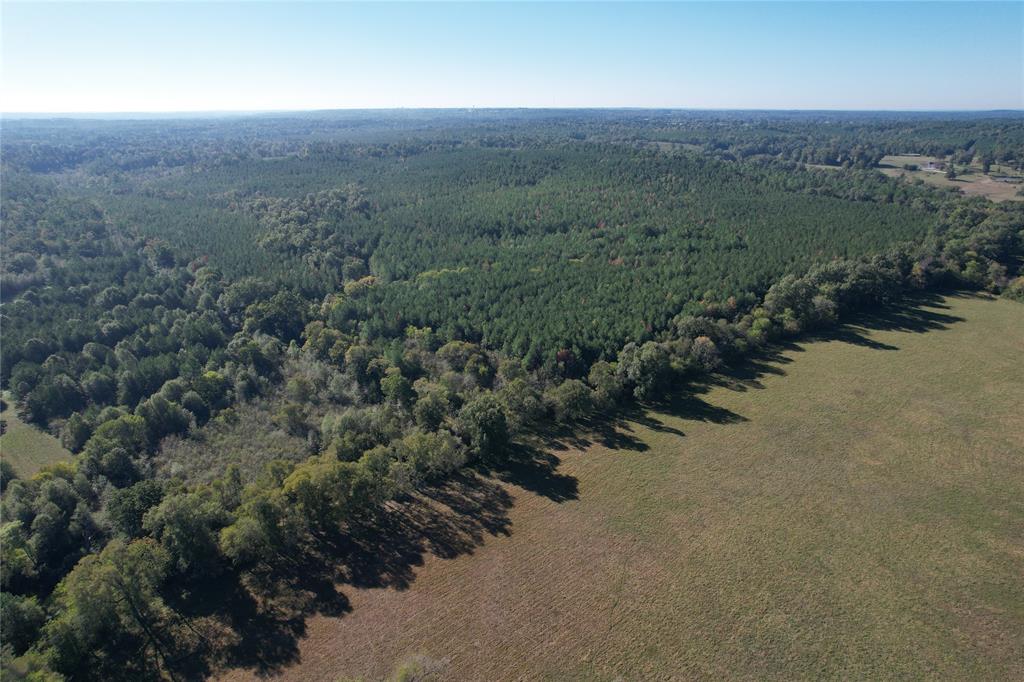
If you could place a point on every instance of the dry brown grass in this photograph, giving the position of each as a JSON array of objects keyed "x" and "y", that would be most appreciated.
[{"x": 850, "y": 507}]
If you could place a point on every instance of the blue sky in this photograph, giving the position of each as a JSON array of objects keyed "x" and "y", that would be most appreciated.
[{"x": 86, "y": 57}]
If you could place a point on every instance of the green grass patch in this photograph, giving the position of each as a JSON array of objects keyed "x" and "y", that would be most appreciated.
[
  {"x": 848, "y": 507},
  {"x": 969, "y": 181},
  {"x": 27, "y": 448}
]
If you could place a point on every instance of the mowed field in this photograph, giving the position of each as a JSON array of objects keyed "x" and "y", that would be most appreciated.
[
  {"x": 849, "y": 507},
  {"x": 969, "y": 181},
  {"x": 27, "y": 448}
]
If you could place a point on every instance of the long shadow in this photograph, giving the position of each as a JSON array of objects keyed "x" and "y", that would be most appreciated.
[
  {"x": 919, "y": 314},
  {"x": 640, "y": 415},
  {"x": 746, "y": 373},
  {"x": 612, "y": 430},
  {"x": 535, "y": 469},
  {"x": 910, "y": 315},
  {"x": 446, "y": 520},
  {"x": 255, "y": 620},
  {"x": 618, "y": 436},
  {"x": 691, "y": 407},
  {"x": 853, "y": 335},
  {"x": 258, "y": 618}
]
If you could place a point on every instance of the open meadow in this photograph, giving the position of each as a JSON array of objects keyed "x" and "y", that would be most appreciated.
[
  {"x": 846, "y": 507},
  {"x": 27, "y": 448},
  {"x": 970, "y": 180}
]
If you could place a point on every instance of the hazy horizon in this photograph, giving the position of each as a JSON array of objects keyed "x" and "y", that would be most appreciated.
[
  {"x": 200, "y": 114},
  {"x": 225, "y": 58}
]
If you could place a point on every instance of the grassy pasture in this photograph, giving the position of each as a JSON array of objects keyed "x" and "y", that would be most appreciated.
[
  {"x": 27, "y": 448},
  {"x": 846, "y": 507},
  {"x": 969, "y": 181},
  {"x": 897, "y": 160}
]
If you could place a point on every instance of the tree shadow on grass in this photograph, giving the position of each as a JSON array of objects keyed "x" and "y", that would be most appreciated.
[
  {"x": 691, "y": 407},
  {"x": 617, "y": 434},
  {"x": 446, "y": 520},
  {"x": 246, "y": 621},
  {"x": 261, "y": 616},
  {"x": 746, "y": 373},
  {"x": 612, "y": 430},
  {"x": 642, "y": 416},
  {"x": 255, "y": 620},
  {"x": 917, "y": 314},
  {"x": 535, "y": 469},
  {"x": 853, "y": 335}
]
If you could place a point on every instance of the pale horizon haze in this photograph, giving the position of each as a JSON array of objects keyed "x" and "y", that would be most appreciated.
[{"x": 211, "y": 57}]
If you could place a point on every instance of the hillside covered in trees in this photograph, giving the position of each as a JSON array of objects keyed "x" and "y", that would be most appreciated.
[{"x": 257, "y": 333}]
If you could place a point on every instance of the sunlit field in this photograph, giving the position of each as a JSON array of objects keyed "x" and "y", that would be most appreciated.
[
  {"x": 1000, "y": 184},
  {"x": 848, "y": 507},
  {"x": 26, "y": 447}
]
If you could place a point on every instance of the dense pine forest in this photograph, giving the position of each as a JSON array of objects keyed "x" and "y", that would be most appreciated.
[{"x": 255, "y": 333}]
